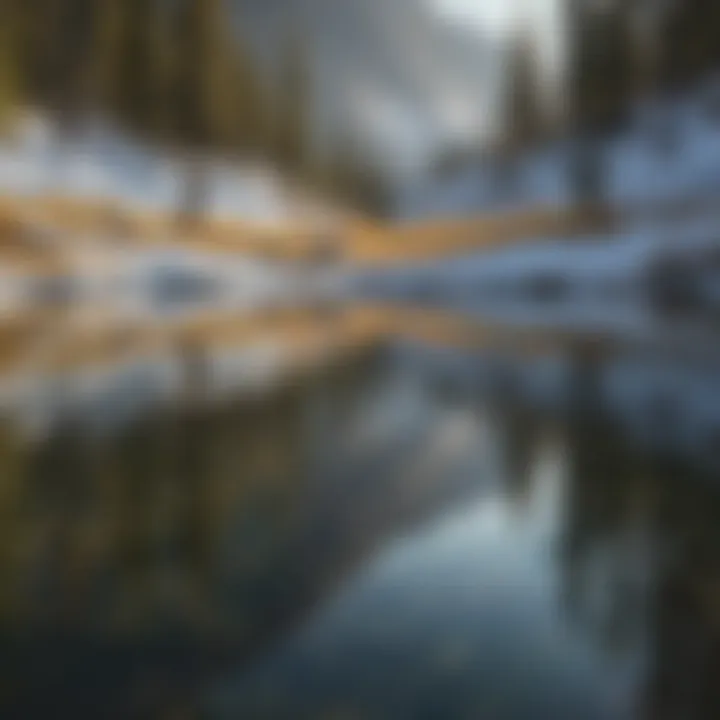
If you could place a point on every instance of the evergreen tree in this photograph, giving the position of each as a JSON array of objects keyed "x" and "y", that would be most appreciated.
[
  {"x": 647, "y": 21},
  {"x": 292, "y": 112},
  {"x": 689, "y": 43},
  {"x": 109, "y": 39},
  {"x": 202, "y": 99},
  {"x": 523, "y": 118},
  {"x": 249, "y": 118},
  {"x": 600, "y": 88},
  {"x": 201, "y": 78},
  {"x": 172, "y": 72},
  {"x": 9, "y": 61},
  {"x": 135, "y": 75},
  {"x": 59, "y": 55}
]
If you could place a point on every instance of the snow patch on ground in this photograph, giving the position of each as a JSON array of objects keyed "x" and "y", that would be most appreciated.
[
  {"x": 100, "y": 163},
  {"x": 670, "y": 151}
]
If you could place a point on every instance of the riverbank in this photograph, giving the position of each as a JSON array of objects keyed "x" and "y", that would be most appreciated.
[{"x": 38, "y": 233}]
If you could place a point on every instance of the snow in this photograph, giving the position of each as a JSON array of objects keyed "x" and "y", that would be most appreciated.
[
  {"x": 580, "y": 261},
  {"x": 592, "y": 281},
  {"x": 162, "y": 286},
  {"x": 669, "y": 158},
  {"x": 99, "y": 162},
  {"x": 602, "y": 286},
  {"x": 639, "y": 169}
]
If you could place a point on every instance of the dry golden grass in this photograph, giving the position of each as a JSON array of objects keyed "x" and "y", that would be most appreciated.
[
  {"x": 437, "y": 238},
  {"x": 57, "y": 341},
  {"x": 22, "y": 245},
  {"x": 53, "y": 341},
  {"x": 70, "y": 220},
  {"x": 357, "y": 239}
]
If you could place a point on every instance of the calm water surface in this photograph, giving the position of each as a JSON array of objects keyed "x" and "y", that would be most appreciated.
[{"x": 419, "y": 532}]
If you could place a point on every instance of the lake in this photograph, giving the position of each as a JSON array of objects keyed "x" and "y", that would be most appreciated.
[{"x": 506, "y": 528}]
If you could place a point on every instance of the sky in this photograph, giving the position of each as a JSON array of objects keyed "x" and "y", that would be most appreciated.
[
  {"x": 488, "y": 15},
  {"x": 498, "y": 16},
  {"x": 493, "y": 21},
  {"x": 502, "y": 17}
]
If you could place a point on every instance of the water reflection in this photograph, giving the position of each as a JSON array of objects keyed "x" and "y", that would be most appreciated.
[
  {"x": 413, "y": 534},
  {"x": 641, "y": 551}
]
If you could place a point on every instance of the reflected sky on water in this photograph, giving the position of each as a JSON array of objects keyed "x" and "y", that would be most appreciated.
[{"x": 417, "y": 531}]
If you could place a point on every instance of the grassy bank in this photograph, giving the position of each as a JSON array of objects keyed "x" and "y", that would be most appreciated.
[{"x": 37, "y": 232}]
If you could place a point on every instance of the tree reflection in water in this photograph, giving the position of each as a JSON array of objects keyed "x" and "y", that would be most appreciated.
[
  {"x": 137, "y": 562},
  {"x": 136, "y": 558},
  {"x": 641, "y": 552}
]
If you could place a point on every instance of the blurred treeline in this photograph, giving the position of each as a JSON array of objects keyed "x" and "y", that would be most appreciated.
[
  {"x": 177, "y": 75},
  {"x": 618, "y": 55}
]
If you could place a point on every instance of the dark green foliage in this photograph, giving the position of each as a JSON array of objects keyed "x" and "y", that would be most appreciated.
[
  {"x": 9, "y": 61},
  {"x": 689, "y": 43},
  {"x": 523, "y": 119},
  {"x": 136, "y": 74},
  {"x": 173, "y": 73},
  {"x": 216, "y": 100},
  {"x": 248, "y": 106},
  {"x": 59, "y": 54},
  {"x": 202, "y": 74},
  {"x": 601, "y": 68},
  {"x": 601, "y": 88},
  {"x": 292, "y": 112}
]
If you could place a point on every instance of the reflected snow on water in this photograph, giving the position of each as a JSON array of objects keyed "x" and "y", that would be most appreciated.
[{"x": 508, "y": 528}]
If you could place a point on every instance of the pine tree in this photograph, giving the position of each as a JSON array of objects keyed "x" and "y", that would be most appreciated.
[
  {"x": 689, "y": 43},
  {"x": 9, "y": 61},
  {"x": 600, "y": 88},
  {"x": 201, "y": 72},
  {"x": 248, "y": 113},
  {"x": 292, "y": 112},
  {"x": 601, "y": 78},
  {"x": 59, "y": 34},
  {"x": 135, "y": 72},
  {"x": 523, "y": 118},
  {"x": 202, "y": 99},
  {"x": 172, "y": 72},
  {"x": 28, "y": 36},
  {"x": 109, "y": 32}
]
